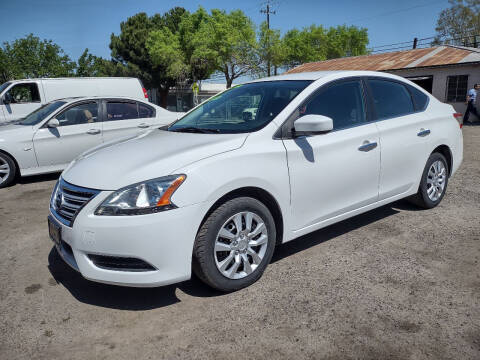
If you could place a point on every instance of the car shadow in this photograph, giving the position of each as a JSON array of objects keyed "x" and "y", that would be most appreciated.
[
  {"x": 120, "y": 297},
  {"x": 136, "y": 299},
  {"x": 38, "y": 178}
]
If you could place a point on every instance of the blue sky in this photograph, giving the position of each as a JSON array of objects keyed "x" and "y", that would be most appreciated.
[{"x": 79, "y": 24}]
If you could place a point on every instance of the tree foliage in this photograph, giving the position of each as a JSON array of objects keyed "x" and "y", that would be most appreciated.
[
  {"x": 271, "y": 51},
  {"x": 30, "y": 57},
  {"x": 461, "y": 21},
  {"x": 226, "y": 41},
  {"x": 316, "y": 43},
  {"x": 91, "y": 65},
  {"x": 130, "y": 47}
]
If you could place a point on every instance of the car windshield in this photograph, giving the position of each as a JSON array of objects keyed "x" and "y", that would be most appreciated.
[
  {"x": 4, "y": 86},
  {"x": 41, "y": 113},
  {"x": 243, "y": 108}
]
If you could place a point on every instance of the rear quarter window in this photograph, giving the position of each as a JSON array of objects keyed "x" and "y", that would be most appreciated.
[
  {"x": 420, "y": 100},
  {"x": 145, "y": 111}
]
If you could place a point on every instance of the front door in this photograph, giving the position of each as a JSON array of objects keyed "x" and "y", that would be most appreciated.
[
  {"x": 337, "y": 172},
  {"x": 20, "y": 100},
  {"x": 80, "y": 129}
]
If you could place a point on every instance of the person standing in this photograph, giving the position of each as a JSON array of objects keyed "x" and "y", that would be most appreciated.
[{"x": 471, "y": 103}]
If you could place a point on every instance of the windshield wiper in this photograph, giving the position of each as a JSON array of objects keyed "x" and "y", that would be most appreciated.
[{"x": 192, "y": 129}]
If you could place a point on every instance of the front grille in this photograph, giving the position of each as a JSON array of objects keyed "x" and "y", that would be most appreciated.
[
  {"x": 119, "y": 263},
  {"x": 67, "y": 201}
]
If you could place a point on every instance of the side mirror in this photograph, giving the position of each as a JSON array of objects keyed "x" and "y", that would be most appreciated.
[
  {"x": 53, "y": 123},
  {"x": 312, "y": 125}
]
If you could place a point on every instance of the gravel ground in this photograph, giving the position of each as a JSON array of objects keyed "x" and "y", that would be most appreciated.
[{"x": 394, "y": 283}]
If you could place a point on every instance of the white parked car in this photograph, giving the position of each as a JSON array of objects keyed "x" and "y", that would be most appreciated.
[
  {"x": 52, "y": 136},
  {"x": 216, "y": 193},
  {"x": 18, "y": 98}
]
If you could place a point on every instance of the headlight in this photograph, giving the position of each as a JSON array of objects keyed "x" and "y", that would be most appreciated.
[
  {"x": 143, "y": 198},
  {"x": 53, "y": 199}
]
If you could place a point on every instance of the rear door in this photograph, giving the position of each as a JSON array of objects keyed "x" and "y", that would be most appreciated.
[
  {"x": 125, "y": 118},
  {"x": 20, "y": 100},
  {"x": 403, "y": 136},
  {"x": 80, "y": 129}
]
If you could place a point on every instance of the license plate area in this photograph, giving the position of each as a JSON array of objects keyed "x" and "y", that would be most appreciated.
[{"x": 55, "y": 231}]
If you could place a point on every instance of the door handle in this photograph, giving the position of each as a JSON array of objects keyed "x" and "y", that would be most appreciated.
[
  {"x": 423, "y": 132},
  {"x": 367, "y": 146},
  {"x": 143, "y": 125},
  {"x": 93, "y": 131}
]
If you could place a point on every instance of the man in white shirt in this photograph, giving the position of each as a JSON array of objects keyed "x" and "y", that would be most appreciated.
[{"x": 471, "y": 103}]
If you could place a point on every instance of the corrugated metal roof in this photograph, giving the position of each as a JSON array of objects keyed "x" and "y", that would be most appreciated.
[{"x": 434, "y": 56}]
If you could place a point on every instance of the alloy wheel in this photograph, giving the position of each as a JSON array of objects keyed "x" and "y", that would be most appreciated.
[
  {"x": 241, "y": 245},
  {"x": 436, "y": 178},
  {"x": 4, "y": 170}
]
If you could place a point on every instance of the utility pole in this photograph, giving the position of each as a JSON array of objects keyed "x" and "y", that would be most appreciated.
[
  {"x": 415, "y": 42},
  {"x": 268, "y": 12}
]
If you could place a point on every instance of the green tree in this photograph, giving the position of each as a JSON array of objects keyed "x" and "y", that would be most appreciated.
[
  {"x": 315, "y": 43},
  {"x": 227, "y": 42},
  {"x": 175, "y": 50},
  {"x": 461, "y": 21},
  {"x": 30, "y": 57},
  {"x": 91, "y": 65},
  {"x": 271, "y": 50},
  {"x": 129, "y": 47}
]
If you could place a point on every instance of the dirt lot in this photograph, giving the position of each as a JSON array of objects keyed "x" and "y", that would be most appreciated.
[{"x": 392, "y": 283}]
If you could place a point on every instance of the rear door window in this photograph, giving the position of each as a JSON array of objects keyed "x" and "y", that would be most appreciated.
[
  {"x": 121, "y": 111},
  {"x": 390, "y": 98}
]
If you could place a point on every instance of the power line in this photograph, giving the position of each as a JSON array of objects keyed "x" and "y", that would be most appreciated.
[{"x": 396, "y": 11}]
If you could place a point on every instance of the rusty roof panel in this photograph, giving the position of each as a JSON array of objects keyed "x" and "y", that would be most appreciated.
[
  {"x": 446, "y": 56},
  {"x": 388, "y": 61}
]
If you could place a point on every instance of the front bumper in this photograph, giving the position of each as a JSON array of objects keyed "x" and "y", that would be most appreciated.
[{"x": 164, "y": 240}]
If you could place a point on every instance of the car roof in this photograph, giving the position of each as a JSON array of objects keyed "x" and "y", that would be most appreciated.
[
  {"x": 316, "y": 75},
  {"x": 81, "y": 98}
]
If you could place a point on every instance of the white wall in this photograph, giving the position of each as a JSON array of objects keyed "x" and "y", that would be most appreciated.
[{"x": 440, "y": 80}]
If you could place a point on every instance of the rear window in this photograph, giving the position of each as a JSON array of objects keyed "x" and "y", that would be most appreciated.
[
  {"x": 145, "y": 111},
  {"x": 391, "y": 99},
  {"x": 420, "y": 100}
]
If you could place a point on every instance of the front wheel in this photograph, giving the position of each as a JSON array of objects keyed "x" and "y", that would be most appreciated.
[
  {"x": 235, "y": 244},
  {"x": 8, "y": 170},
  {"x": 434, "y": 182}
]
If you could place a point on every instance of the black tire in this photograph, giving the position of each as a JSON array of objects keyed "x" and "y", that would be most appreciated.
[
  {"x": 421, "y": 198},
  {"x": 204, "y": 264},
  {"x": 6, "y": 159}
]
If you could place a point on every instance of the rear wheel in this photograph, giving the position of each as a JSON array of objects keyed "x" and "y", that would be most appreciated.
[
  {"x": 434, "y": 182},
  {"x": 8, "y": 170},
  {"x": 235, "y": 244}
]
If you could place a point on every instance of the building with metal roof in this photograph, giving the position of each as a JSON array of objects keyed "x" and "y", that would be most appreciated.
[{"x": 446, "y": 71}]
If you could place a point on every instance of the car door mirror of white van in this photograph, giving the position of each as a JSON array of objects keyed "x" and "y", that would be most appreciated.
[
  {"x": 53, "y": 123},
  {"x": 312, "y": 125}
]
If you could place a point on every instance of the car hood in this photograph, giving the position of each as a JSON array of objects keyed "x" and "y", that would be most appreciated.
[
  {"x": 154, "y": 154},
  {"x": 10, "y": 131}
]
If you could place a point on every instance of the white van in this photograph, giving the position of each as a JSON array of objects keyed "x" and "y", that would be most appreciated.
[{"x": 18, "y": 98}]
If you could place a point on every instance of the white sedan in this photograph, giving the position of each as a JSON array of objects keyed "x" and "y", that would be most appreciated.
[
  {"x": 216, "y": 192},
  {"x": 55, "y": 134}
]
